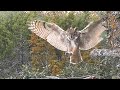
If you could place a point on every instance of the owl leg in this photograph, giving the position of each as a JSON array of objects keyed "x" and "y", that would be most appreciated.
[
  {"x": 76, "y": 57},
  {"x": 81, "y": 59}
]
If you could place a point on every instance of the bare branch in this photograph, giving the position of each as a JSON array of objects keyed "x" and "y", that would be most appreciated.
[{"x": 105, "y": 52}]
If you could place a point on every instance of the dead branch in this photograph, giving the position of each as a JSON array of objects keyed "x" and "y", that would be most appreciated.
[{"x": 105, "y": 52}]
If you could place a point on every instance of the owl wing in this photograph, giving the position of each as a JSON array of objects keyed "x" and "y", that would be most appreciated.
[
  {"x": 50, "y": 32},
  {"x": 90, "y": 36}
]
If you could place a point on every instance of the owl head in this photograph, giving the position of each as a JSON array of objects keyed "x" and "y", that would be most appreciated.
[{"x": 72, "y": 33}]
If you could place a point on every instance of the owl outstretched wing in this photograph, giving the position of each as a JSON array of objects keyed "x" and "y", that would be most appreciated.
[
  {"x": 90, "y": 36},
  {"x": 50, "y": 32}
]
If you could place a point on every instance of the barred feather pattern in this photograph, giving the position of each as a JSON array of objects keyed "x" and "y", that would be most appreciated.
[
  {"x": 50, "y": 32},
  {"x": 37, "y": 27}
]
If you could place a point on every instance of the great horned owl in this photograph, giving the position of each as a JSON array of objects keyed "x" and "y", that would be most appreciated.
[{"x": 70, "y": 41}]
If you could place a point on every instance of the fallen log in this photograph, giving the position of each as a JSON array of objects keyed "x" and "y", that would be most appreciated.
[
  {"x": 83, "y": 77},
  {"x": 105, "y": 52}
]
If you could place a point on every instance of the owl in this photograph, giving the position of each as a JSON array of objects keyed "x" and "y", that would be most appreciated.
[{"x": 71, "y": 40}]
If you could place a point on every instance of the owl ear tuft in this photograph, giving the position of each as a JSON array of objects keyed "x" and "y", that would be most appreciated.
[
  {"x": 75, "y": 28},
  {"x": 70, "y": 29}
]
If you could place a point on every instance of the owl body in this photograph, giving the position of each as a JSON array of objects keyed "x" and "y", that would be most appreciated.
[{"x": 71, "y": 40}]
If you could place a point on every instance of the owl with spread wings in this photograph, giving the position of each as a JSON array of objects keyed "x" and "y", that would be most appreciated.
[{"x": 72, "y": 40}]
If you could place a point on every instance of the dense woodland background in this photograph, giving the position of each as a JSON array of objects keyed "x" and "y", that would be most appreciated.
[{"x": 23, "y": 55}]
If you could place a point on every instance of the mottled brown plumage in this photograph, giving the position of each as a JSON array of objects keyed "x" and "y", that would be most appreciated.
[{"x": 70, "y": 41}]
